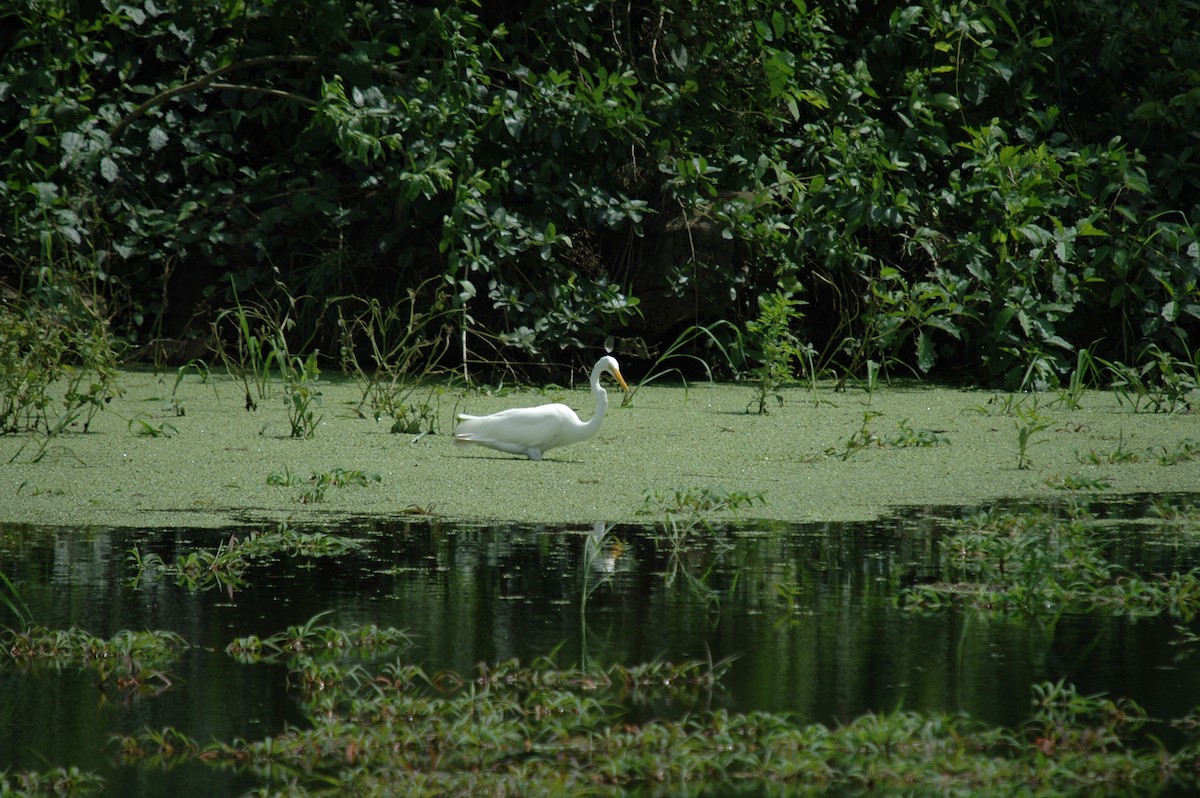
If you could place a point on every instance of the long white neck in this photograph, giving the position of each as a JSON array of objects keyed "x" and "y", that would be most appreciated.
[
  {"x": 601, "y": 395},
  {"x": 601, "y": 406}
]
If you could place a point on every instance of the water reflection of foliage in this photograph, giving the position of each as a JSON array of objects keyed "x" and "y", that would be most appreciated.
[
  {"x": 226, "y": 565},
  {"x": 1037, "y": 563},
  {"x": 129, "y": 659},
  {"x": 312, "y": 639},
  {"x": 690, "y": 535},
  {"x": 56, "y": 781}
]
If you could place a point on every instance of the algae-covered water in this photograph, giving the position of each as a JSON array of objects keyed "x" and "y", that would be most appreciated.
[{"x": 188, "y": 453}]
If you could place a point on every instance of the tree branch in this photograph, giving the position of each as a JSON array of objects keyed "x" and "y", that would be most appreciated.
[
  {"x": 283, "y": 95},
  {"x": 208, "y": 80}
]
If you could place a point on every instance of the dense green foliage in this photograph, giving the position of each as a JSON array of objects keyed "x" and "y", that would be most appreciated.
[{"x": 951, "y": 187}]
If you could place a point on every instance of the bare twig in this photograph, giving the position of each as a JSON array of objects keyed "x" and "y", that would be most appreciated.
[{"x": 208, "y": 80}]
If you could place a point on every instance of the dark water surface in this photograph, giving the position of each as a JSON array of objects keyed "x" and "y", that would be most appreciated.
[{"x": 808, "y": 611}]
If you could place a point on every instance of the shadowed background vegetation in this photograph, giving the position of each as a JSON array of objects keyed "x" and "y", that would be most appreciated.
[{"x": 954, "y": 189}]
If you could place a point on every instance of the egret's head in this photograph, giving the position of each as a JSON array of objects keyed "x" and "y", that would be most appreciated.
[{"x": 610, "y": 365}]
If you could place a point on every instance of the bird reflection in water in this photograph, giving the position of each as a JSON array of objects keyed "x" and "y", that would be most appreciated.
[{"x": 604, "y": 552}]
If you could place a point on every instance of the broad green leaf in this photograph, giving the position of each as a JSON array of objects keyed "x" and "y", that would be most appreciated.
[{"x": 925, "y": 356}]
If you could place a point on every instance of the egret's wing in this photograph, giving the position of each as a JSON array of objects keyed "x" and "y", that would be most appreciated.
[{"x": 525, "y": 427}]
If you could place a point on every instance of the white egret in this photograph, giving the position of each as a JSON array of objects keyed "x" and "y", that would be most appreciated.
[{"x": 532, "y": 431}]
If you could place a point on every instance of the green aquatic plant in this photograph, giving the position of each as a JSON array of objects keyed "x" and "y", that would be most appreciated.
[
  {"x": 774, "y": 347},
  {"x": 1029, "y": 423},
  {"x": 393, "y": 349},
  {"x": 63, "y": 781},
  {"x": 867, "y": 438},
  {"x": 226, "y": 565},
  {"x": 861, "y": 439},
  {"x": 1074, "y": 482},
  {"x": 1117, "y": 455},
  {"x": 1038, "y": 564},
  {"x": 315, "y": 640},
  {"x": 906, "y": 436},
  {"x": 1185, "y": 451},
  {"x": 539, "y": 729},
  {"x": 337, "y": 478},
  {"x": 132, "y": 659},
  {"x": 10, "y": 599},
  {"x": 301, "y": 394},
  {"x": 1066, "y": 721},
  {"x": 1160, "y": 382},
  {"x": 143, "y": 428},
  {"x": 790, "y": 593}
]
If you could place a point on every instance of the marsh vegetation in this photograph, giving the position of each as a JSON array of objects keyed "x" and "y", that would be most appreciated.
[
  {"x": 930, "y": 647},
  {"x": 852, "y": 259}
]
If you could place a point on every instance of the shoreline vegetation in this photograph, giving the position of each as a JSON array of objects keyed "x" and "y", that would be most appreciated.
[{"x": 185, "y": 452}]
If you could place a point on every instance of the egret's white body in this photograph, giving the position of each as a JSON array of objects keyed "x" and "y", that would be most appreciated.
[{"x": 533, "y": 431}]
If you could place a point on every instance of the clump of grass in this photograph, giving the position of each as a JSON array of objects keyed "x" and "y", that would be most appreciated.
[
  {"x": 1035, "y": 564},
  {"x": 320, "y": 482},
  {"x": 415, "y": 418},
  {"x": 253, "y": 340},
  {"x": 866, "y": 437},
  {"x": 997, "y": 405},
  {"x": 226, "y": 566},
  {"x": 246, "y": 337},
  {"x": 143, "y": 428},
  {"x": 393, "y": 349},
  {"x": 1074, "y": 482},
  {"x": 1087, "y": 372},
  {"x": 337, "y": 478},
  {"x": 1162, "y": 383},
  {"x": 301, "y": 394},
  {"x": 1185, "y": 451},
  {"x": 1117, "y": 455},
  {"x": 177, "y": 407},
  {"x": 283, "y": 479},
  {"x": 682, "y": 349}
]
